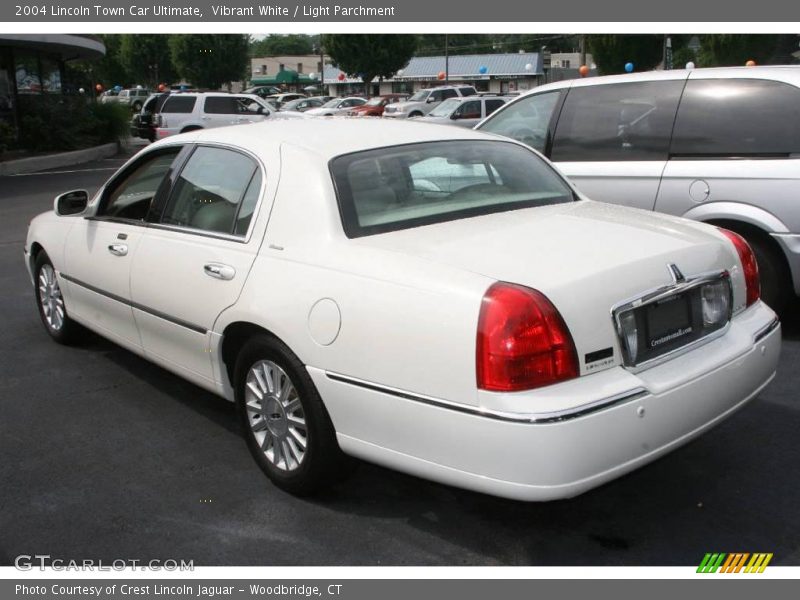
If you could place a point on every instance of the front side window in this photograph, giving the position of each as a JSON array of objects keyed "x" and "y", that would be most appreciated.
[
  {"x": 211, "y": 192},
  {"x": 420, "y": 96},
  {"x": 469, "y": 110},
  {"x": 737, "y": 117},
  {"x": 617, "y": 122},
  {"x": 130, "y": 196},
  {"x": 446, "y": 108},
  {"x": 418, "y": 184},
  {"x": 526, "y": 120}
]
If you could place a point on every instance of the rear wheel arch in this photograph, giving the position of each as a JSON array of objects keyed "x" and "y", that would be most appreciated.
[
  {"x": 234, "y": 337},
  {"x": 189, "y": 128}
]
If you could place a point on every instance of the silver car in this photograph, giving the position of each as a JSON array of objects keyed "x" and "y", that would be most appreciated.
[
  {"x": 466, "y": 111},
  {"x": 716, "y": 145}
]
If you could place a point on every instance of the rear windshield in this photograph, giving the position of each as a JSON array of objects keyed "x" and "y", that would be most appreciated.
[{"x": 407, "y": 186}]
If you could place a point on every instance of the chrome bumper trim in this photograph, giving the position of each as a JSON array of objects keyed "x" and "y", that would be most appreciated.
[
  {"x": 543, "y": 418},
  {"x": 762, "y": 333}
]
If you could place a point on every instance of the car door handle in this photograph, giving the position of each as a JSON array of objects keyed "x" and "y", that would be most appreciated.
[
  {"x": 118, "y": 249},
  {"x": 219, "y": 271}
]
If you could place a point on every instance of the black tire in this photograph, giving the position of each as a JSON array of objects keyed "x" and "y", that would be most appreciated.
[
  {"x": 776, "y": 283},
  {"x": 66, "y": 330},
  {"x": 323, "y": 463}
]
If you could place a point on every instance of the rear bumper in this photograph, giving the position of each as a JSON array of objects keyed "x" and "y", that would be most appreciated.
[{"x": 525, "y": 459}]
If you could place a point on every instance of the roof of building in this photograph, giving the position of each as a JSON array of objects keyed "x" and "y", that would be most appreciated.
[{"x": 460, "y": 67}]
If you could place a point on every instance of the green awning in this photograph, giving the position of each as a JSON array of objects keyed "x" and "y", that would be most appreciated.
[{"x": 287, "y": 76}]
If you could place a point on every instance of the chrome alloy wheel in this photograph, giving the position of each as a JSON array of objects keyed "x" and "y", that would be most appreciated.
[
  {"x": 50, "y": 298},
  {"x": 276, "y": 415}
]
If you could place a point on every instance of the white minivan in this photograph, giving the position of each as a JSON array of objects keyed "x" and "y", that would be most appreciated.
[{"x": 716, "y": 145}]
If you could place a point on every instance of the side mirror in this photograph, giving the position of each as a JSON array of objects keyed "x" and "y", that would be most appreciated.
[
  {"x": 71, "y": 203},
  {"x": 455, "y": 115},
  {"x": 430, "y": 100}
]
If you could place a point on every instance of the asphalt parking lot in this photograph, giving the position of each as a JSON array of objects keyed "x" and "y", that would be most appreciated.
[{"x": 107, "y": 456}]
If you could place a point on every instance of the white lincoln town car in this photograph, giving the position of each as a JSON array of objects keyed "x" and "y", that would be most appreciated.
[{"x": 436, "y": 300}]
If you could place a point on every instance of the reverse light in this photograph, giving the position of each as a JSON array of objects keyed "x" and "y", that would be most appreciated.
[
  {"x": 749, "y": 265},
  {"x": 522, "y": 342}
]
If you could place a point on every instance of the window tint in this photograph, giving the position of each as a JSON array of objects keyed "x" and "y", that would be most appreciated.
[
  {"x": 468, "y": 91},
  {"x": 221, "y": 105},
  {"x": 624, "y": 121},
  {"x": 131, "y": 196},
  {"x": 417, "y": 184},
  {"x": 449, "y": 93},
  {"x": 210, "y": 190},
  {"x": 179, "y": 104},
  {"x": 737, "y": 117},
  {"x": 526, "y": 120},
  {"x": 493, "y": 105}
]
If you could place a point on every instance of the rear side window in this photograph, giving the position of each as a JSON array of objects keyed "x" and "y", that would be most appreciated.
[
  {"x": 493, "y": 105},
  {"x": 179, "y": 104},
  {"x": 407, "y": 186},
  {"x": 221, "y": 105},
  {"x": 737, "y": 117},
  {"x": 212, "y": 190},
  {"x": 617, "y": 122},
  {"x": 468, "y": 91}
]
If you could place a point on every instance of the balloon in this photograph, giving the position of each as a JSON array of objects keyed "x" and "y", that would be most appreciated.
[
  {"x": 483, "y": 70},
  {"x": 161, "y": 87},
  {"x": 81, "y": 91},
  {"x": 583, "y": 70},
  {"x": 99, "y": 87},
  {"x": 138, "y": 87},
  {"x": 400, "y": 73},
  {"x": 529, "y": 67},
  {"x": 183, "y": 88},
  {"x": 118, "y": 87},
  {"x": 629, "y": 67},
  {"x": 750, "y": 63},
  {"x": 441, "y": 75},
  {"x": 690, "y": 65},
  {"x": 340, "y": 77}
]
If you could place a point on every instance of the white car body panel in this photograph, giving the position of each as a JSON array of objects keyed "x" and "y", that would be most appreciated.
[{"x": 386, "y": 324}]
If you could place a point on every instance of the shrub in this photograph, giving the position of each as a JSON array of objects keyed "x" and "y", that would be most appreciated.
[{"x": 54, "y": 123}]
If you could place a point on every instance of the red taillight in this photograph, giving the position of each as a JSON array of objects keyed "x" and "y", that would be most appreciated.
[
  {"x": 749, "y": 265},
  {"x": 523, "y": 342}
]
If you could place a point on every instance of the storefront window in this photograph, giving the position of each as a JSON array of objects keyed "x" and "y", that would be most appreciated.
[
  {"x": 51, "y": 75},
  {"x": 6, "y": 87}
]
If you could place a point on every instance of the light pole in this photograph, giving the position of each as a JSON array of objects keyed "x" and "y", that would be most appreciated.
[{"x": 446, "y": 59}]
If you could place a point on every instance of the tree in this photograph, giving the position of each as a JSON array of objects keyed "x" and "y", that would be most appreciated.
[
  {"x": 370, "y": 55},
  {"x": 146, "y": 58},
  {"x": 612, "y": 52},
  {"x": 736, "y": 49},
  {"x": 282, "y": 45},
  {"x": 210, "y": 60}
]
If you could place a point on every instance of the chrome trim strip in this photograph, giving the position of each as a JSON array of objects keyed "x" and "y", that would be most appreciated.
[
  {"x": 150, "y": 311},
  {"x": 528, "y": 418},
  {"x": 660, "y": 293},
  {"x": 764, "y": 332}
]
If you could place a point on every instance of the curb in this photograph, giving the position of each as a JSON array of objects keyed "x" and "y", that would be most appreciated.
[{"x": 53, "y": 161}]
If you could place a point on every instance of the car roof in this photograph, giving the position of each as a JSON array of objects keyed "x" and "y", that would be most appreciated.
[{"x": 326, "y": 138}]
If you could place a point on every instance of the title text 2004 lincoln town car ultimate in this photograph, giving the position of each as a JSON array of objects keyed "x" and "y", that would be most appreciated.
[{"x": 436, "y": 300}]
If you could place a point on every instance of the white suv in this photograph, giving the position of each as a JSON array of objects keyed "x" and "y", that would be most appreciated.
[
  {"x": 189, "y": 112},
  {"x": 424, "y": 101},
  {"x": 716, "y": 145}
]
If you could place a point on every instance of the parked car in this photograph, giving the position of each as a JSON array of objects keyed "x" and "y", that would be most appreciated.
[
  {"x": 143, "y": 123},
  {"x": 436, "y": 300},
  {"x": 108, "y": 96},
  {"x": 278, "y": 100},
  {"x": 424, "y": 101},
  {"x": 263, "y": 90},
  {"x": 133, "y": 98},
  {"x": 720, "y": 146},
  {"x": 374, "y": 106},
  {"x": 302, "y": 104},
  {"x": 466, "y": 111},
  {"x": 336, "y": 106},
  {"x": 184, "y": 112}
]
